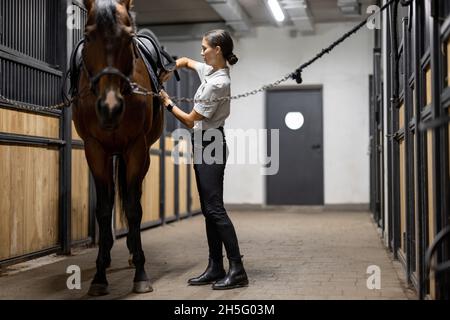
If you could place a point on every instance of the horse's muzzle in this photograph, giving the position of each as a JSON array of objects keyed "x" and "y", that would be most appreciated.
[{"x": 110, "y": 111}]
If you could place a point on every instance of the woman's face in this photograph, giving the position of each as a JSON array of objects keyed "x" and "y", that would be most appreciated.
[{"x": 209, "y": 53}]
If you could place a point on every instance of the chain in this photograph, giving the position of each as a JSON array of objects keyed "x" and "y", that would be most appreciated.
[
  {"x": 239, "y": 96},
  {"x": 27, "y": 107},
  {"x": 137, "y": 89}
]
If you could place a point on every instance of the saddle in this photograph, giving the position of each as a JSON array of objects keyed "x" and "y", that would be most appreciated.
[{"x": 156, "y": 60}]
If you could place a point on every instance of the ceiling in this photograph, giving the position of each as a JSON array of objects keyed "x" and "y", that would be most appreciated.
[
  {"x": 163, "y": 12},
  {"x": 172, "y": 17}
]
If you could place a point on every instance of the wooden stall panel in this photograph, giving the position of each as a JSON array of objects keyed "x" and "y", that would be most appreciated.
[
  {"x": 182, "y": 188},
  {"x": 29, "y": 208},
  {"x": 169, "y": 197},
  {"x": 156, "y": 145},
  {"x": 448, "y": 63},
  {"x": 169, "y": 143},
  {"x": 75, "y": 135},
  {"x": 401, "y": 116},
  {"x": 120, "y": 220},
  {"x": 80, "y": 196},
  {"x": 28, "y": 124},
  {"x": 150, "y": 192},
  {"x": 428, "y": 95},
  {"x": 182, "y": 146}
]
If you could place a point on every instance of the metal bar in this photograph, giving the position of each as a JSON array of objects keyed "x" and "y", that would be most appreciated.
[
  {"x": 81, "y": 242},
  {"x": 438, "y": 165},
  {"x": 419, "y": 140},
  {"x": 19, "y": 139},
  {"x": 409, "y": 157},
  {"x": 77, "y": 144},
  {"x": 392, "y": 150},
  {"x": 176, "y": 190},
  {"x": 170, "y": 219},
  {"x": 66, "y": 152},
  {"x": 18, "y": 57},
  {"x": 155, "y": 152},
  {"x": 29, "y": 256},
  {"x": 445, "y": 96},
  {"x": 162, "y": 179}
]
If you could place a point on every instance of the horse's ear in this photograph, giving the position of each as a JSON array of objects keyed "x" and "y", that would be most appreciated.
[
  {"x": 127, "y": 3},
  {"x": 88, "y": 4}
]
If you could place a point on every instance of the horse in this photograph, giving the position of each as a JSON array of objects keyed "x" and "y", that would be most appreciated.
[{"x": 116, "y": 123}]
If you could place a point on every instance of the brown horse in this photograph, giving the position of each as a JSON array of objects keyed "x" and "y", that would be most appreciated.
[{"x": 113, "y": 121}]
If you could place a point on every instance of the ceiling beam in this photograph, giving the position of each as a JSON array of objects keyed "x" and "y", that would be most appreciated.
[
  {"x": 300, "y": 15},
  {"x": 233, "y": 14},
  {"x": 349, "y": 7}
]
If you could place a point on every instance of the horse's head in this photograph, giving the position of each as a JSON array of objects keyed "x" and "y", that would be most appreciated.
[{"x": 108, "y": 56}]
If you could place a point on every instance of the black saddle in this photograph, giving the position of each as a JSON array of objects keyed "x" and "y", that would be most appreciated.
[{"x": 156, "y": 59}]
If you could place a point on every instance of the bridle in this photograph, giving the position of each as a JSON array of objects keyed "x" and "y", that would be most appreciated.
[{"x": 127, "y": 89}]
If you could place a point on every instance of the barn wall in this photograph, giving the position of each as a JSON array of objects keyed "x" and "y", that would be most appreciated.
[{"x": 344, "y": 74}]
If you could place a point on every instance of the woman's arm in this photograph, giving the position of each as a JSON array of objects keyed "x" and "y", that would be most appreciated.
[
  {"x": 180, "y": 63},
  {"x": 187, "y": 119},
  {"x": 186, "y": 63}
]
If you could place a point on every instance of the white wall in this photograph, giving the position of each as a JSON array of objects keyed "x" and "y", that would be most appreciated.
[{"x": 343, "y": 74}]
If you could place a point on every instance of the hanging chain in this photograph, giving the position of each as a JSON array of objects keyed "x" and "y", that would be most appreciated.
[
  {"x": 27, "y": 107},
  {"x": 137, "y": 89},
  {"x": 296, "y": 75}
]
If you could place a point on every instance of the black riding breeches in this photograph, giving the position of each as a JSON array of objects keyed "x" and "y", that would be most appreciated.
[{"x": 210, "y": 177}]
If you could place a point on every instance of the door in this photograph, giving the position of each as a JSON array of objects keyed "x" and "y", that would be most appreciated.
[{"x": 297, "y": 114}]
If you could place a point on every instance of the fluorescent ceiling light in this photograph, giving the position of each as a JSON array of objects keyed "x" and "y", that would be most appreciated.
[{"x": 276, "y": 10}]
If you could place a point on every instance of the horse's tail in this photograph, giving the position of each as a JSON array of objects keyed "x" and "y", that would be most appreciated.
[{"x": 121, "y": 186}]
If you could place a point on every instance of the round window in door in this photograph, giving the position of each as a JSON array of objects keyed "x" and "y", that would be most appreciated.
[{"x": 294, "y": 120}]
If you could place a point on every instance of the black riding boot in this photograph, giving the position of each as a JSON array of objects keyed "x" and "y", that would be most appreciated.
[
  {"x": 236, "y": 277},
  {"x": 213, "y": 272}
]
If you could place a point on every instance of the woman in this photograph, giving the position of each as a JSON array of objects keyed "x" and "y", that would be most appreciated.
[{"x": 209, "y": 117}]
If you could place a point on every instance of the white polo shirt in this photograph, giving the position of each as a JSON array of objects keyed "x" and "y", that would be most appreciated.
[{"x": 213, "y": 85}]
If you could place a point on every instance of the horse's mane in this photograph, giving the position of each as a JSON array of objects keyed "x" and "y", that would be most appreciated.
[{"x": 105, "y": 15}]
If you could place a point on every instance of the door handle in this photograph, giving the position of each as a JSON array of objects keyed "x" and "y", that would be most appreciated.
[{"x": 315, "y": 146}]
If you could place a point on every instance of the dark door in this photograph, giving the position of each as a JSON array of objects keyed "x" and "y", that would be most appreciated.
[{"x": 297, "y": 114}]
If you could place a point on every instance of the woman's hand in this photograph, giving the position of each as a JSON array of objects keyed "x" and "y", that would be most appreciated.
[
  {"x": 165, "y": 99},
  {"x": 164, "y": 76}
]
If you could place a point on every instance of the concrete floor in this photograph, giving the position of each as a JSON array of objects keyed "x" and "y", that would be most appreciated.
[{"x": 288, "y": 253}]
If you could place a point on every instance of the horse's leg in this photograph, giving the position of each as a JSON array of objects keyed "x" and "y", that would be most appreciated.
[
  {"x": 137, "y": 162},
  {"x": 102, "y": 170}
]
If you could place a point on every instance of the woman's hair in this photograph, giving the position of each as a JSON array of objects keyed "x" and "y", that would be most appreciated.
[{"x": 222, "y": 38}]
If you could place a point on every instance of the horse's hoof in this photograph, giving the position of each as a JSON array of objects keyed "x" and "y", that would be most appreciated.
[
  {"x": 98, "y": 289},
  {"x": 142, "y": 287}
]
